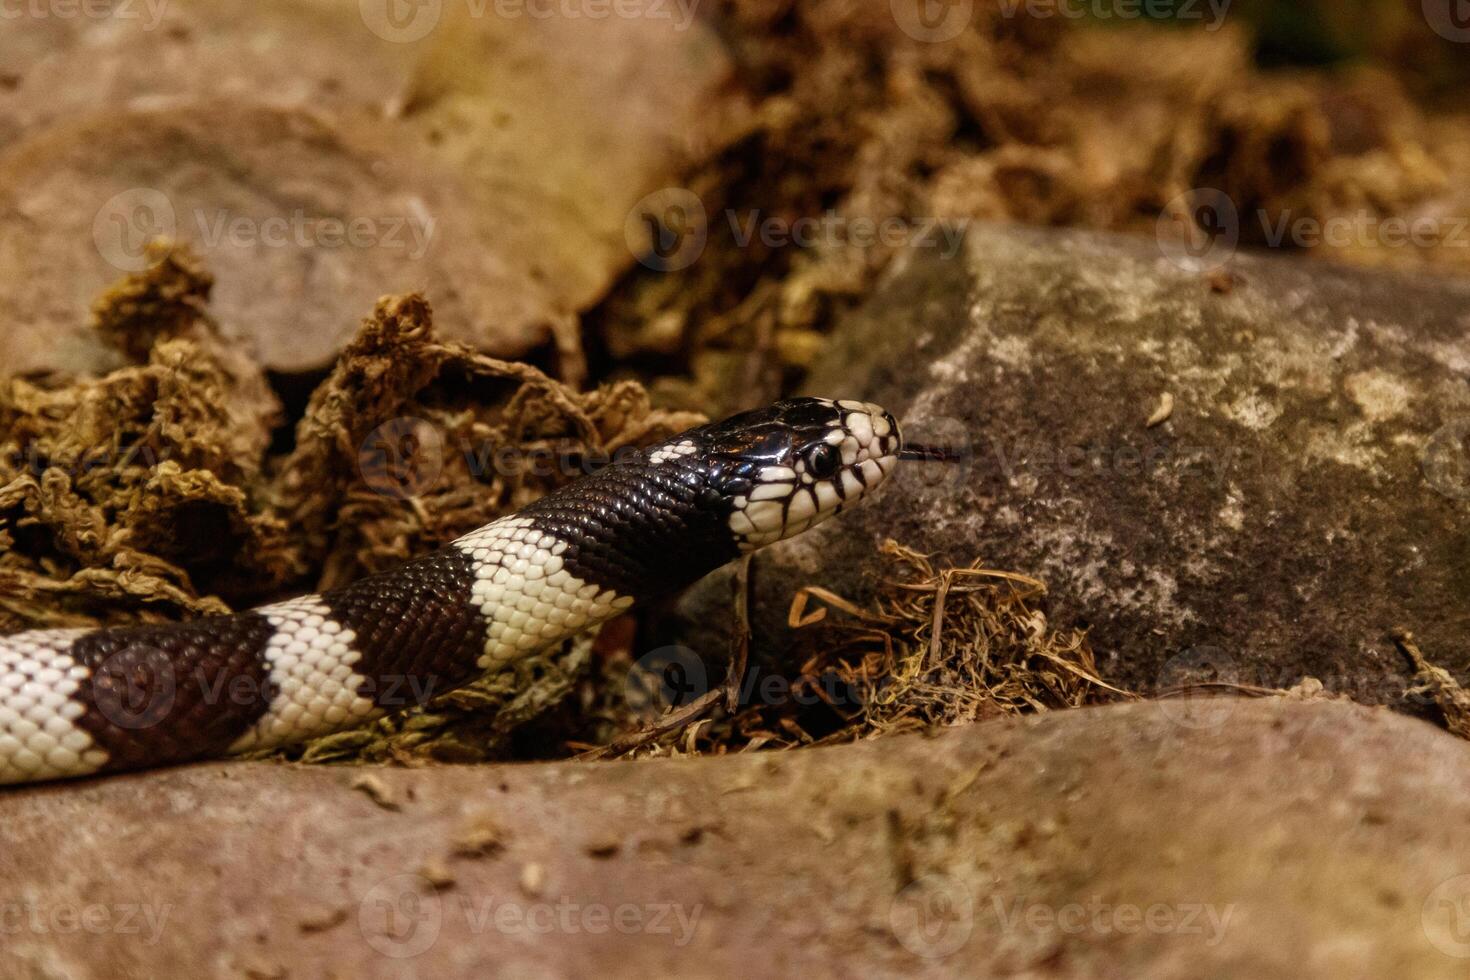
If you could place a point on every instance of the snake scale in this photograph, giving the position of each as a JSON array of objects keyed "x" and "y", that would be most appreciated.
[{"x": 78, "y": 702}]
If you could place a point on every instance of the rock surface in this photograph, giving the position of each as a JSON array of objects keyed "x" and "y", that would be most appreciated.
[
  {"x": 319, "y": 155},
  {"x": 1308, "y": 493},
  {"x": 1222, "y": 838}
]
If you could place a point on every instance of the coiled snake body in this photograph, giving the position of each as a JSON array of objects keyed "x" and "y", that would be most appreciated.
[{"x": 79, "y": 702}]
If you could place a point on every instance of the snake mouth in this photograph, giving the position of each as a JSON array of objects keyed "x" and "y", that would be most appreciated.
[{"x": 856, "y": 453}]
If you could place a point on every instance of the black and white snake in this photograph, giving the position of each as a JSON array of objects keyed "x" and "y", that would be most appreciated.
[{"x": 74, "y": 702}]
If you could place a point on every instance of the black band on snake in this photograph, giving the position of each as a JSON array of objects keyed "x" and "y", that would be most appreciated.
[{"x": 79, "y": 702}]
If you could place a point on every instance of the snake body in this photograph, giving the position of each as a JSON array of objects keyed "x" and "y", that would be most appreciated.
[{"x": 77, "y": 702}]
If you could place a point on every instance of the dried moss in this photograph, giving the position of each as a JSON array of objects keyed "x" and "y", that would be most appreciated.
[
  {"x": 151, "y": 493},
  {"x": 1451, "y": 698},
  {"x": 1017, "y": 119},
  {"x": 938, "y": 647},
  {"x": 117, "y": 493}
]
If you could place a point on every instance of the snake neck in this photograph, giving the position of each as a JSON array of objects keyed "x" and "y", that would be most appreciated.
[{"x": 643, "y": 527}]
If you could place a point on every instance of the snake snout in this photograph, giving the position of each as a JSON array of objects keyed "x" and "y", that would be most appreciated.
[{"x": 839, "y": 451}]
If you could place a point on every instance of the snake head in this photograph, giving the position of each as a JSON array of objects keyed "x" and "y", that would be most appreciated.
[{"x": 779, "y": 470}]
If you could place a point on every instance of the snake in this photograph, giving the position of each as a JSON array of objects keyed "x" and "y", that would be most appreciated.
[{"x": 85, "y": 702}]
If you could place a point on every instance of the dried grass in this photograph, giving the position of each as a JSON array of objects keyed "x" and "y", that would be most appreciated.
[{"x": 938, "y": 647}]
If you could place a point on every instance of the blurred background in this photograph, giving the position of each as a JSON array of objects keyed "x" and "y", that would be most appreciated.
[{"x": 524, "y": 161}]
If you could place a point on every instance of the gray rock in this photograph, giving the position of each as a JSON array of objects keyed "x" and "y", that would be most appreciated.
[
  {"x": 1154, "y": 839},
  {"x": 1308, "y": 493}
]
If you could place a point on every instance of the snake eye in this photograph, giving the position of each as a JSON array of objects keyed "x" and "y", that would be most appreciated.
[{"x": 822, "y": 460}]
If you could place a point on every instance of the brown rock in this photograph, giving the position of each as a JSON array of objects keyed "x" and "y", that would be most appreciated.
[
  {"x": 319, "y": 156},
  {"x": 1305, "y": 495},
  {"x": 1223, "y": 838}
]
